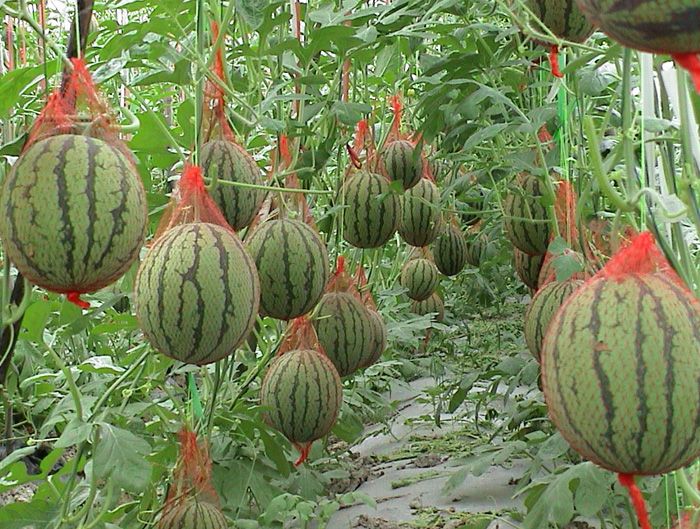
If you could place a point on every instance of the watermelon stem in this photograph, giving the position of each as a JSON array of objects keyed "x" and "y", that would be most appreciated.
[
  {"x": 74, "y": 298},
  {"x": 554, "y": 61},
  {"x": 691, "y": 62},
  {"x": 627, "y": 481}
]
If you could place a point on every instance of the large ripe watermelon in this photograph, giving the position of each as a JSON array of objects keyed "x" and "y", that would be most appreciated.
[
  {"x": 621, "y": 371},
  {"x": 292, "y": 261},
  {"x": 450, "y": 250},
  {"x": 421, "y": 217},
  {"x": 528, "y": 268},
  {"x": 420, "y": 277},
  {"x": 432, "y": 305},
  {"x": 302, "y": 393},
  {"x": 403, "y": 163},
  {"x": 228, "y": 161},
  {"x": 542, "y": 309},
  {"x": 371, "y": 213},
  {"x": 345, "y": 331},
  {"x": 657, "y": 26},
  {"x": 197, "y": 293},
  {"x": 563, "y": 18},
  {"x": 190, "y": 513},
  {"x": 73, "y": 213},
  {"x": 525, "y": 218}
]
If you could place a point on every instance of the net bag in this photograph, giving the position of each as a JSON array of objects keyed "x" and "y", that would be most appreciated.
[{"x": 73, "y": 206}]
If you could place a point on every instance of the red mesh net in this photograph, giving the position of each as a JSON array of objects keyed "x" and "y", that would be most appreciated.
[
  {"x": 565, "y": 211},
  {"x": 363, "y": 152},
  {"x": 300, "y": 334},
  {"x": 554, "y": 61},
  {"x": 192, "y": 474},
  {"x": 364, "y": 289},
  {"x": 397, "y": 110},
  {"x": 641, "y": 256},
  {"x": 214, "y": 122},
  {"x": 77, "y": 108},
  {"x": 191, "y": 202},
  {"x": 342, "y": 281},
  {"x": 607, "y": 238},
  {"x": 691, "y": 62}
]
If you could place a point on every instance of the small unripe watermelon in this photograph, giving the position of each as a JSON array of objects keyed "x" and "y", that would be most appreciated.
[
  {"x": 542, "y": 309},
  {"x": 563, "y": 18},
  {"x": 292, "y": 261},
  {"x": 450, "y": 250},
  {"x": 372, "y": 211},
  {"x": 620, "y": 371},
  {"x": 378, "y": 339},
  {"x": 420, "y": 277},
  {"x": 73, "y": 213},
  {"x": 525, "y": 218},
  {"x": 656, "y": 26},
  {"x": 345, "y": 331},
  {"x": 228, "y": 161},
  {"x": 421, "y": 217},
  {"x": 432, "y": 305},
  {"x": 197, "y": 293},
  {"x": 303, "y": 394},
  {"x": 528, "y": 267},
  {"x": 403, "y": 163},
  {"x": 189, "y": 513}
]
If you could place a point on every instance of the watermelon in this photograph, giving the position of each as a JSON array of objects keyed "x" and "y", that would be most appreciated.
[
  {"x": 190, "y": 513},
  {"x": 372, "y": 211},
  {"x": 292, "y": 261},
  {"x": 479, "y": 248},
  {"x": 403, "y": 163},
  {"x": 542, "y": 309},
  {"x": 197, "y": 293},
  {"x": 73, "y": 213},
  {"x": 345, "y": 331},
  {"x": 528, "y": 268},
  {"x": 302, "y": 393},
  {"x": 525, "y": 218},
  {"x": 432, "y": 305},
  {"x": 563, "y": 18},
  {"x": 656, "y": 26},
  {"x": 229, "y": 162},
  {"x": 450, "y": 250},
  {"x": 378, "y": 339},
  {"x": 420, "y": 277},
  {"x": 620, "y": 371},
  {"x": 421, "y": 217}
]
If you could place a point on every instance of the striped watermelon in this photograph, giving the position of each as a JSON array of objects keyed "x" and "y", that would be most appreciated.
[
  {"x": 303, "y": 394},
  {"x": 197, "y": 293},
  {"x": 432, "y": 305},
  {"x": 450, "y": 250},
  {"x": 620, "y": 370},
  {"x": 292, "y": 261},
  {"x": 528, "y": 268},
  {"x": 421, "y": 217},
  {"x": 190, "y": 513},
  {"x": 228, "y": 161},
  {"x": 372, "y": 210},
  {"x": 480, "y": 248},
  {"x": 420, "y": 277},
  {"x": 403, "y": 163},
  {"x": 378, "y": 339},
  {"x": 73, "y": 213},
  {"x": 563, "y": 18},
  {"x": 345, "y": 331},
  {"x": 657, "y": 26},
  {"x": 525, "y": 218},
  {"x": 542, "y": 309}
]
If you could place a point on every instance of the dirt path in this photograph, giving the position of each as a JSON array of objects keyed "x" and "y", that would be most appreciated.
[{"x": 407, "y": 470}]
